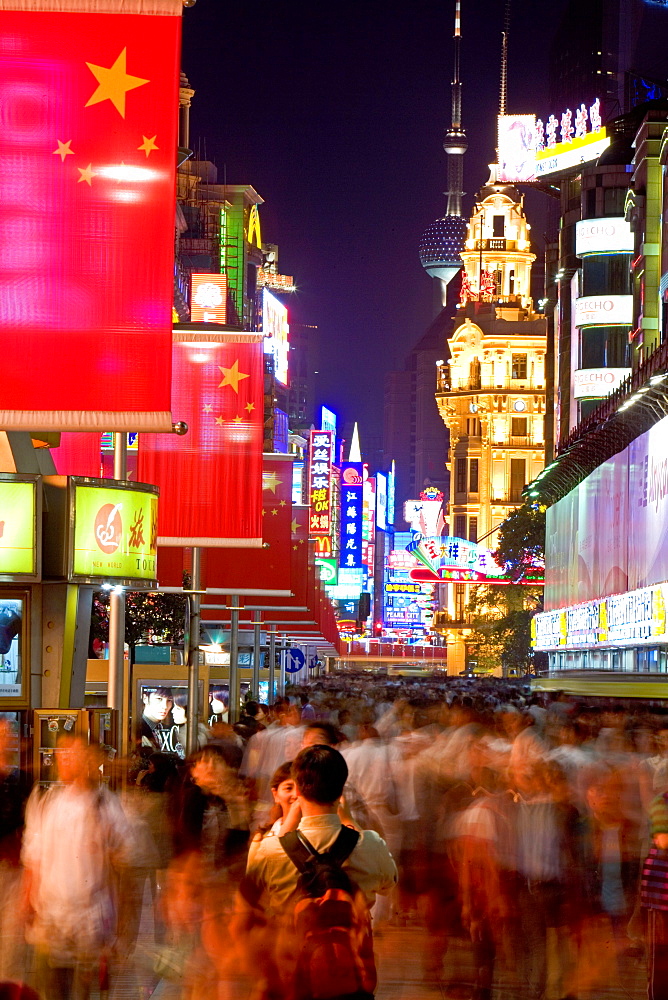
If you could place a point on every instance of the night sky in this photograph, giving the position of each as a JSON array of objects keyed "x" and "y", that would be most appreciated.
[{"x": 336, "y": 114}]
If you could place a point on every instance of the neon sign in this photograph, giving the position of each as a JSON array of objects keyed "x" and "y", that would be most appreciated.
[
  {"x": 352, "y": 510},
  {"x": 530, "y": 148},
  {"x": 320, "y": 482}
]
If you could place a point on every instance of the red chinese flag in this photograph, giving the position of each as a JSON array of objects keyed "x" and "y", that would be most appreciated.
[
  {"x": 211, "y": 478},
  {"x": 266, "y": 568},
  {"x": 78, "y": 455},
  {"x": 89, "y": 100}
]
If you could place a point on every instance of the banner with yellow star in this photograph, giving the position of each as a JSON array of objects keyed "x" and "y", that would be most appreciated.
[
  {"x": 89, "y": 100},
  {"x": 210, "y": 479}
]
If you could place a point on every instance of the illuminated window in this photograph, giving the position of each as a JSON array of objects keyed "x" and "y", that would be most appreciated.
[
  {"x": 473, "y": 475},
  {"x": 461, "y": 475},
  {"x": 519, "y": 366},
  {"x": 517, "y": 479}
]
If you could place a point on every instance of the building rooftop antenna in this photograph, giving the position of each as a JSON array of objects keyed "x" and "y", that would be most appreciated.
[
  {"x": 443, "y": 241},
  {"x": 503, "y": 90}
]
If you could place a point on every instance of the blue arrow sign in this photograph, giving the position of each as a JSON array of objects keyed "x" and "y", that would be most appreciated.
[{"x": 294, "y": 660}]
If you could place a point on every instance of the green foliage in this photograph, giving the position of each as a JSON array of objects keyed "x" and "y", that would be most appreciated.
[
  {"x": 149, "y": 618},
  {"x": 522, "y": 540},
  {"x": 501, "y": 615}
]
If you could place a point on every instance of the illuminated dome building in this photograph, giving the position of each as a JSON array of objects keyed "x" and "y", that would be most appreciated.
[{"x": 443, "y": 241}]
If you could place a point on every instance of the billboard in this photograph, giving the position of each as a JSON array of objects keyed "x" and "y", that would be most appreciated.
[
  {"x": 603, "y": 236},
  {"x": 276, "y": 332},
  {"x": 114, "y": 534},
  {"x": 631, "y": 618},
  {"x": 530, "y": 149},
  {"x": 604, "y": 310},
  {"x": 596, "y": 383},
  {"x": 516, "y": 147},
  {"x": 208, "y": 298}
]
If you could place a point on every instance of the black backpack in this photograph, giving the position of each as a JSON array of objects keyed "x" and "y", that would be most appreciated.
[{"x": 331, "y": 922}]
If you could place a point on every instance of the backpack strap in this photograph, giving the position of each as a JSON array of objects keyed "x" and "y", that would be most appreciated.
[{"x": 300, "y": 850}]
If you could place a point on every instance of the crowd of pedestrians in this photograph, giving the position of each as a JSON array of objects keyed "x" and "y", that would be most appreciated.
[{"x": 531, "y": 829}]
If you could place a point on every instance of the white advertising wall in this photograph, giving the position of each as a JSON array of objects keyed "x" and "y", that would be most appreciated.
[{"x": 610, "y": 534}]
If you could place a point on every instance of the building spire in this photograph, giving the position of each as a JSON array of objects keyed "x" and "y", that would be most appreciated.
[{"x": 454, "y": 143}]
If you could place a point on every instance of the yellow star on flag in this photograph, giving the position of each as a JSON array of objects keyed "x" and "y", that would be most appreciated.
[
  {"x": 294, "y": 526},
  {"x": 294, "y": 546},
  {"x": 274, "y": 511},
  {"x": 87, "y": 175},
  {"x": 63, "y": 150},
  {"x": 250, "y": 407},
  {"x": 263, "y": 512},
  {"x": 208, "y": 407},
  {"x": 148, "y": 145},
  {"x": 232, "y": 376},
  {"x": 282, "y": 503},
  {"x": 238, "y": 419},
  {"x": 220, "y": 421},
  {"x": 114, "y": 83},
  {"x": 270, "y": 481}
]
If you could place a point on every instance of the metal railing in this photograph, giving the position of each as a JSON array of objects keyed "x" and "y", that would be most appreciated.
[{"x": 445, "y": 384}]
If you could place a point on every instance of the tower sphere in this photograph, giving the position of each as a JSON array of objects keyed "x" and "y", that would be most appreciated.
[
  {"x": 454, "y": 142},
  {"x": 442, "y": 242}
]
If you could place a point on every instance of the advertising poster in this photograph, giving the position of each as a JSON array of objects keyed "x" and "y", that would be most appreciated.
[{"x": 12, "y": 614}]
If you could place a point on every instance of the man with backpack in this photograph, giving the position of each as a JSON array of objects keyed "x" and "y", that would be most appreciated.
[{"x": 316, "y": 884}]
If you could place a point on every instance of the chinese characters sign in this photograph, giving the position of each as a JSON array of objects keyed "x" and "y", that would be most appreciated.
[
  {"x": 320, "y": 483},
  {"x": 115, "y": 533},
  {"x": 352, "y": 509}
]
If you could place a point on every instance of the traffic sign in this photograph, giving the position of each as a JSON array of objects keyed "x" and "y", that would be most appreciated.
[{"x": 294, "y": 660}]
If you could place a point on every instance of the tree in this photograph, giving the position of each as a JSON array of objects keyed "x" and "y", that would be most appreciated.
[
  {"x": 149, "y": 618},
  {"x": 501, "y": 615}
]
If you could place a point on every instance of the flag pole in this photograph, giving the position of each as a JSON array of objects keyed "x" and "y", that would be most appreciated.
[
  {"x": 115, "y": 684},
  {"x": 193, "y": 652},
  {"x": 233, "y": 704}
]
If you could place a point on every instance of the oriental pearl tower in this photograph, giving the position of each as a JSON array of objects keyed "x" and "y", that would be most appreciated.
[{"x": 443, "y": 240}]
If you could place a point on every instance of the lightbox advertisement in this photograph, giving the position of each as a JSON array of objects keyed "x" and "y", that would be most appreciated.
[
  {"x": 115, "y": 532},
  {"x": 19, "y": 502}
]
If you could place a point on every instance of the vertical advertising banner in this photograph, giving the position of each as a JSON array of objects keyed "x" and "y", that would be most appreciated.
[
  {"x": 89, "y": 100},
  {"x": 210, "y": 479},
  {"x": 352, "y": 510},
  {"x": 320, "y": 482},
  {"x": 276, "y": 330}
]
